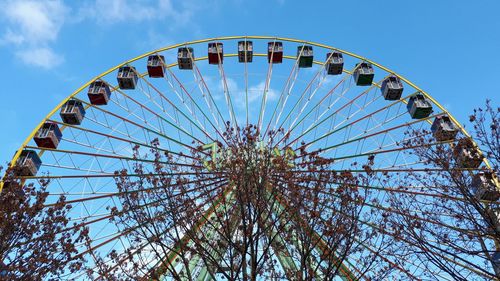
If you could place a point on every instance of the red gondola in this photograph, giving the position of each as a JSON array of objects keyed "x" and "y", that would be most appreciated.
[
  {"x": 443, "y": 128},
  {"x": 275, "y": 52},
  {"x": 156, "y": 67},
  {"x": 99, "y": 93},
  {"x": 215, "y": 53},
  {"x": 48, "y": 136}
]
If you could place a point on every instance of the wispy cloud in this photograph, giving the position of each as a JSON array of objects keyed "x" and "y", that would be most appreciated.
[
  {"x": 255, "y": 93},
  {"x": 42, "y": 57},
  {"x": 30, "y": 28}
]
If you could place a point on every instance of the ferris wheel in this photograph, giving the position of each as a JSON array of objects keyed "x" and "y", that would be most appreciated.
[{"x": 183, "y": 107}]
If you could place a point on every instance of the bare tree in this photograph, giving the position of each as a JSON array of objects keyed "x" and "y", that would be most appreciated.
[
  {"x": 447, "y": 214},
  {"x": 253, "y": 211},
  {"x": 38, "y": 242}
]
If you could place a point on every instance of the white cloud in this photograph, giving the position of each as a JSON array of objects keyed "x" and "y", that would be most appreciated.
[
  {"x": 34, "y": 21},
  {"x": 42, "y": 57},
  {"x": 255, "y": 93},
  {"x": 30, "y": 27},
  {"x": 258, "y": 91}
]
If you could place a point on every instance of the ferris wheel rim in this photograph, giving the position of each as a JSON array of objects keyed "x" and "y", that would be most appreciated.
[
  {"x": 226, "y": 38},
  {"x": 79, "y": 90}
]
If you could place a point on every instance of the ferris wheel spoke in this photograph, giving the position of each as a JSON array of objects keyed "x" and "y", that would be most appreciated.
[
  {"x": 467, "y": 264},
  {"x": 347, "y": 106},
  {"x": 139, "y": 207},
  {"x": 300, "y": 105},
  {"x": 285, "y": 93},
  {"x": 87, "y": 165},
  {"x": 341, "y": 126},
  {"x": 133, "y": 131},
  {"x": 409, "y": 190},
  {"x": 107, "y": 175},
  {"x": 131, "y": 143},
  {"x": 206, "y": 93},
  {"x": 266, "y": 88},
  {"x": 117, "y": 194},
  {"x": 397, "y": 212},
  {"x": 123, "y": 233},
  {"x": 390, "y": 169},
  {"x": 351, "y": 115},
  {"x": 169, "y": 77},
  {"x": 227, "y": 95},
  {"x": 178, "y": 126},
  {"x": 137, "y": 125},
  {"x": 380, "y": 151},
  {"x": 197, "y": 76},
  {"x": 322, "y": 77},
  {"x": 245, "y": 75},
  {"x": 381, "y": 132},
  {"x": 331, "y": 104},
  {"x": 119, "y": 157}
]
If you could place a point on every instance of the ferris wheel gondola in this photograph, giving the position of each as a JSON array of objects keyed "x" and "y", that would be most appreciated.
[{"x": 343, "y": 107}]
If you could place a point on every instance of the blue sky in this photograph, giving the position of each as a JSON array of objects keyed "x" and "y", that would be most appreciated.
[{"x": 50, "y": 48}]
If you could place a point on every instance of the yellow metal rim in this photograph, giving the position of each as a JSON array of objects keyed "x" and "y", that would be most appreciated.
[{"x": 225, "y": 38}]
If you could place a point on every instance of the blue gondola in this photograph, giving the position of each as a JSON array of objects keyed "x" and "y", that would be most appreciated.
[
  {"x": 363, "y": 74},
  {"x": 127, "y": 77},
  {"x": 419, "y": 107},
  {"x": 185, "y": 57},
  {"x": 28, "y": 163},
  {"x": 72, "y": 112},
  {"x": 392, "y": 88},
  {"x": 305, "y": 56},
  {"x": 335, "y": 63},
  {"x": 245, "y": 51},
  {"x": 484, "y": 187}
]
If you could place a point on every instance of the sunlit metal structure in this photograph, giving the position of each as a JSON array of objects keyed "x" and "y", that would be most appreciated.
[{"x": 191, "y": 99}]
